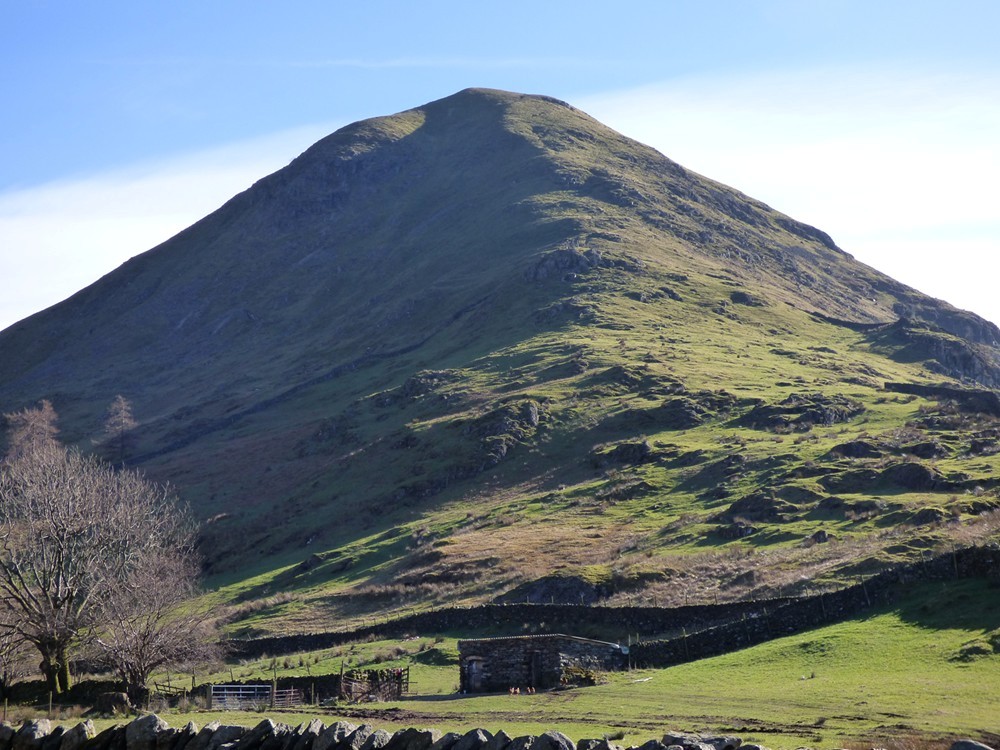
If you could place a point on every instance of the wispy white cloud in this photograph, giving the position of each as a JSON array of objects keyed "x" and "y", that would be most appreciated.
[
  {"x": 897, "y": 164},
  {"x": 59, "y": 237}
]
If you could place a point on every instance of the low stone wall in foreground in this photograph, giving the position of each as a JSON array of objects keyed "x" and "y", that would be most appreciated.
[{"x": 150, "y": 732}]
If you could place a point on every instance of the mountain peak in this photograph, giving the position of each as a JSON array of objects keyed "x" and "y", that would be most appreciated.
[{"x": 491, "y": 296}]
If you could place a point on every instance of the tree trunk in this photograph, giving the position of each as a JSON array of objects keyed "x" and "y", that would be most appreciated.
[
  {"x": 65, "y": 679},
  {"x": 135, "y": 687},
  {"x": 55, "y": 667},
  {"x": 50, "y": 672}
]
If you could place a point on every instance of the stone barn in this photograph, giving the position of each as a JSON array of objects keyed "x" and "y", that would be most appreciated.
[{"x": 536, "y": 661}]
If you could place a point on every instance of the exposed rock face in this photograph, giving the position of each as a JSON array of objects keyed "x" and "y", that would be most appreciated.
[
  {"x": 474, "y": 739},
  {"x": 801, "y": 411},
  {"x": 334, "y": 734},
  {"x": 31, "y": 734},
  {"x": 413, "y": 739},
  {"x": 142, "y": 733},
  {"x": 696, "y": 742},
  {"x": 186, "y": 736},
  {"x": 760, "y": 506},
  {"x": 254, "y": 738},
  {"x": 226, "y": 734},
  {"x": 625, "y": 454},
  {"x": 856, "y": 449},
  {"x": 112, "y": 737},
  {"x": 945, "y": 352},
  {"x": 501, "y": 741},
  {"x": 552, "y": 740},
  {"x": 356, "y": 739},
  {"x": 914, "y": 476},
  {"x": 376, "y": 740},
  {"x": 737, "y": 530},
  {"x": 446, "y": 741},
  {"x": 503, "y": 428},
  {"x": 971, "y": 400}
]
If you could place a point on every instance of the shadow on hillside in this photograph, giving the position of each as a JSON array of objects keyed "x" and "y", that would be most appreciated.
[{"x": 970, "y": 604}]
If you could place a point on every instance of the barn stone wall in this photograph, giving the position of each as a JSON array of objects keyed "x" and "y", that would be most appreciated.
[{"x": 497, "y": 664}]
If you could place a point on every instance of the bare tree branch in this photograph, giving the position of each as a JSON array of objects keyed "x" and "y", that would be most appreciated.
[
  {"x": 74, "y": 534},
  {"x": 146, "y": 624}
]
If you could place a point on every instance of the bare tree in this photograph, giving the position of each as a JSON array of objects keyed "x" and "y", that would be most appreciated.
[
  {"x": 118, "y": 423},
  {"x": 14, "y": 651},
  {"x": 31, "y": 428},
  {"x": 145, "y": 625},
  {"x": 72, "y": 532}
]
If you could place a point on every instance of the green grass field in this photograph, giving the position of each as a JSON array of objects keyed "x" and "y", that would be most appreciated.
[{"x": 926, "y": 669}]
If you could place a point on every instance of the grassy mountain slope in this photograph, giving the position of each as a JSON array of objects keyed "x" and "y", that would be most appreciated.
[{"x": 489, "y": 347}]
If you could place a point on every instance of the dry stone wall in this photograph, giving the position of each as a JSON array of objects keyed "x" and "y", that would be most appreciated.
[
  {"x": 150, "y": 732},
  {"x": 583, "y": 620},
  {"x": 669, "y": 635},
  {"x": 773, "y": 620}
]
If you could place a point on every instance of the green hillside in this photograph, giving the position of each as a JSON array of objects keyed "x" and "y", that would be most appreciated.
[
  {"x": 915, "y": 674},
  {"x": 489, "y": 348}
]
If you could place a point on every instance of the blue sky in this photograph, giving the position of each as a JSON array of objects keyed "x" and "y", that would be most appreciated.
[{"x": 879, "y": 122}]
